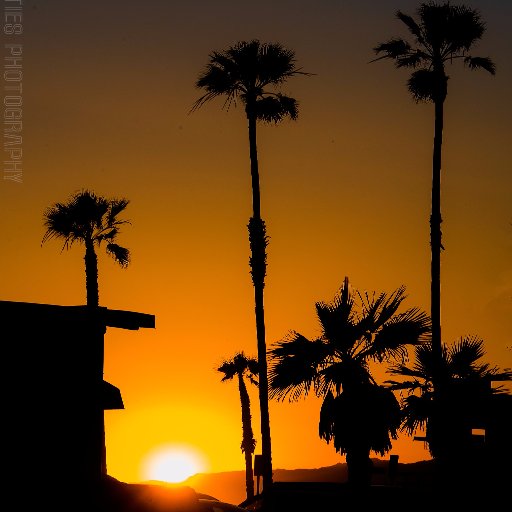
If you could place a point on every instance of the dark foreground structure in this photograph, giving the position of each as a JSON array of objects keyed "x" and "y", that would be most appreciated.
[
  {"x": 53, "y": 399},
  {"x": 328, "y": 496},
  {"x": 475, "y": 476}
]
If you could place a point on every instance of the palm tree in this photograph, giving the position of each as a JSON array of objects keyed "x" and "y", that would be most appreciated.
[
  {"x": 252, "y": 72},
  {"x": 244, "y": 367},
  {"x": 357, "y": 413},
  {"x": 467, "y": 390},
  {"x": 89, "y": 219},
  {"x": 443, "y": 34}
]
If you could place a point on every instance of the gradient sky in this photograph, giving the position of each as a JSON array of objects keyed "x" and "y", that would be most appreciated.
[{"x": 107, "y": 89}]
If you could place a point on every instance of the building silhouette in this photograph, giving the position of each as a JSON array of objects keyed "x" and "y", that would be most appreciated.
[{"x": 54, "y": 398}]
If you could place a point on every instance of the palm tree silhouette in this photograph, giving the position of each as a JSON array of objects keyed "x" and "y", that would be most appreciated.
[
  {"x": 244, "y": 367},
  {"x": 467, "y": 388},
  {"x": 89, "y": 219},
  {"x": 357, "y": 414},
  {"x": 443, "y": 34},
  {"x": 252, "y": 72}
]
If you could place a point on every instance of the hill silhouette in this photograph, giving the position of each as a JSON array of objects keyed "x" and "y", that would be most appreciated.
[{"x": 230, "y": 485}]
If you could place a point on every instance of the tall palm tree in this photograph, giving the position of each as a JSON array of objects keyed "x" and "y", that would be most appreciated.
[
  {"x": 253, "y": 72},
  {"x": 243, "y": 367},
  {"x": 443, "y": 34},
  {"x": 467, "y": 390},
  {"x": 357, "y": 413},
  {"x": 89, "y": 219}
]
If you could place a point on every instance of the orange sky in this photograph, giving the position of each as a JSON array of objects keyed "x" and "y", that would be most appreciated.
[{"x": 345, "y": 191}]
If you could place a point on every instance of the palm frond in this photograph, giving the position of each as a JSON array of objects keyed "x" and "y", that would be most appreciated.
[
  {"x": 383, "y": 308},
  {"x": 417, "y": 372},
  {"x": 411, "y": 327},
  {"x": 328, "y": 414},
  {"x": 480, "y": 63},
  {"x": 370, "y": 306},
  {"x": 464, "y": 28},
  {"x": 392, "y": 49},
  {"x": 423, "y": 84},
  {"x": 58, "y": 223},
  {"x": 108, "y": 234},
  {"x": 275, "y": 64},
  {"x": 410, "y": 385},
  {"x": 464, "y": 353},
  {"x": 220, "y": 78},
  {"x": 412, "y": 60},
  {"x": 252, "y": 369},
  {"x": 498, "y": 375},
  {"x": 273, "y": 109},
  {"x": 116, "y": 206},
  {"x": 341, "y": 333},
  {"x": 413, "y": 27},
  {"x": 434, "y": 23},
  {"x": 293, "y": 366},
  {"x": 337, "y": 319},
  {"x": 416, "y": 410},
  {"x": 120, "y": 254},
  {"x": 228, "y": 368},
  {"x": 88, "y": 210},
  {"x": 253, "y": 380}
]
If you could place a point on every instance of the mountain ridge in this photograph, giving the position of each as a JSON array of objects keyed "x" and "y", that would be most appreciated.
[{"x": 229, "y": 486}]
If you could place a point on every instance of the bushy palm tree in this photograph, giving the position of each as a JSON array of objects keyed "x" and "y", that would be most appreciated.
[
  {"x": 443, "y": 34},
  {"x": 90, "y": 220},
  {"x": 467, "y": 391},
  {"x": 357, "y": 413},
  {"x": 252, "y": 72},
  {"x": 243, "y": 367}
]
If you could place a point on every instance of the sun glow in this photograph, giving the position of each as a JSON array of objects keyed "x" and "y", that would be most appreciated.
[{"x": 172, "y": 463}]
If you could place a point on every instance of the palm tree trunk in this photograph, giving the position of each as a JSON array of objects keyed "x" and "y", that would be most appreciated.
[
  {"x": 359, "y": 467},
  {"x": 91, "y": 285},
  {"x": 258, "y": 242},
  {"x": 253, "y": 155},
  {"x": 91, "y": 274},
  {"x": 437, "y": 421},
  {"x": 435, "y": 239},
  {"x": 247, "y": 436}
]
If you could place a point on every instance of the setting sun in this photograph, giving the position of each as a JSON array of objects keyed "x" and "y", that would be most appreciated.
[{"x": 173, "y": 464}]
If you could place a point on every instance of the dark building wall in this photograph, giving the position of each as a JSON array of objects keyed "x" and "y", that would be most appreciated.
[
  {"x": 52, "y": 395},
  {"x": 54, "y": 355}
]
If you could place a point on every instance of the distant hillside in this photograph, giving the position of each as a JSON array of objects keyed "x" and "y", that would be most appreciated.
[{"x": 230, "y": 486}]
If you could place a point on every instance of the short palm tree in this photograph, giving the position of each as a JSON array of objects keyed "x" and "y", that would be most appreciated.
[
  {"x": 89, "y": 219},
  {"x": 467, "y": 390},
  {"x": 253, "y": 72},
  {"x": 243, "y": 367},
  {"x": 443, "y": 34},
  {"x": 357, "y": 413}
]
